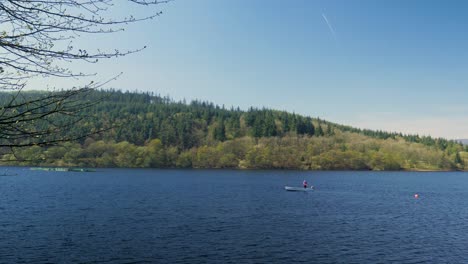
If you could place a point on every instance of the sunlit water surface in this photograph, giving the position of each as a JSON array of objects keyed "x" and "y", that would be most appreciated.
[{"x": 222, "y": 216}]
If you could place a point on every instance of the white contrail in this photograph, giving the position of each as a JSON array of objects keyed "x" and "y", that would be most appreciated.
[{"x": 329, "y": 25}]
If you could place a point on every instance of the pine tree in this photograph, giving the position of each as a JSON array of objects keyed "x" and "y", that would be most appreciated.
[
  {"x": 257, "y": 128},
  {"x": 301, "y": 127},
  {"x": 269, "y": 126},
  {"x": 330, "y": 131},
  {"x": 220, "y": 130},
  {"x": 285, "y": 124},
  {"x": 319, "y": 131},
  {"x": 309, "y": 127}
]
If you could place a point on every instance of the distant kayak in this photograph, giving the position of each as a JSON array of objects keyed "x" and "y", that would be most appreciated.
[{"x": 298, "y": 189}]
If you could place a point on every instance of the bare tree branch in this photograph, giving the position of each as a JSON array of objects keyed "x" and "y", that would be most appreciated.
[{"x": 36, "y": 40}]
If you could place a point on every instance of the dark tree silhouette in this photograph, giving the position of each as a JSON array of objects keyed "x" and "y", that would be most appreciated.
[{"x": 37, "y": 41}]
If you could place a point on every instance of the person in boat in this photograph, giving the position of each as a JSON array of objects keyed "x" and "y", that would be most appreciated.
[{"x": 304, "y": 183}]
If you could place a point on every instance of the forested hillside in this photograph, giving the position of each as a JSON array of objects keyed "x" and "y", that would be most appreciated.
[{"x": 146, "y": 130}]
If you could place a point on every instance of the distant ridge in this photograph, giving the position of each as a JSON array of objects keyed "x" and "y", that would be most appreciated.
[
  {"x": 463, "y": 141},
  {"x": 149, "y": 131}
]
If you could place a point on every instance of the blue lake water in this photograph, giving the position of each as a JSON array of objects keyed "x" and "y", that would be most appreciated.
[{"x": 219, "y": 216}]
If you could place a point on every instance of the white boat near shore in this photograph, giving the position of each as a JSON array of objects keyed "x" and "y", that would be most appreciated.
[{"x": 298, "y": 189}]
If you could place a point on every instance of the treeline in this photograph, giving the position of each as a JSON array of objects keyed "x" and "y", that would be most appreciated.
[
  {"x": 147, "y": 130},
  {"x": 343, "y": 151}
]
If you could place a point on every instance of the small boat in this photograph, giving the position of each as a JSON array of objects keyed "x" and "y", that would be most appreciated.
[
  {"x": 73, "y": 169},
  {"x": 298, "y": 189}
]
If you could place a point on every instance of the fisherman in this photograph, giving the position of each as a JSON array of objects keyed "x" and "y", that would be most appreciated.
[{"x": 304, "y": 183}]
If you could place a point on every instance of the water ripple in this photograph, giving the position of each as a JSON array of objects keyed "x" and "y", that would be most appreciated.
[{"x": 232, "y": 217}]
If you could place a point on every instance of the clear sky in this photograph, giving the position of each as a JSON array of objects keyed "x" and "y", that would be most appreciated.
[{"x": 390, "y": 65}]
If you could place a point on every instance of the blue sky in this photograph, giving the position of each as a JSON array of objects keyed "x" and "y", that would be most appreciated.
[{"x": 390, "y": 65}]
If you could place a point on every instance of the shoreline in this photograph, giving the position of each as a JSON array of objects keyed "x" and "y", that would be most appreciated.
[{"x": 93, "y": 169}]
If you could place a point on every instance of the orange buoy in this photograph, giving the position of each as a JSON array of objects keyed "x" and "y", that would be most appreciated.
[{"x": 416, "y": 195}]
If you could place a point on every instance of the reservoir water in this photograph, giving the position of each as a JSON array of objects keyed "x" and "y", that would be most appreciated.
[{"x": 222, "y": 216}]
